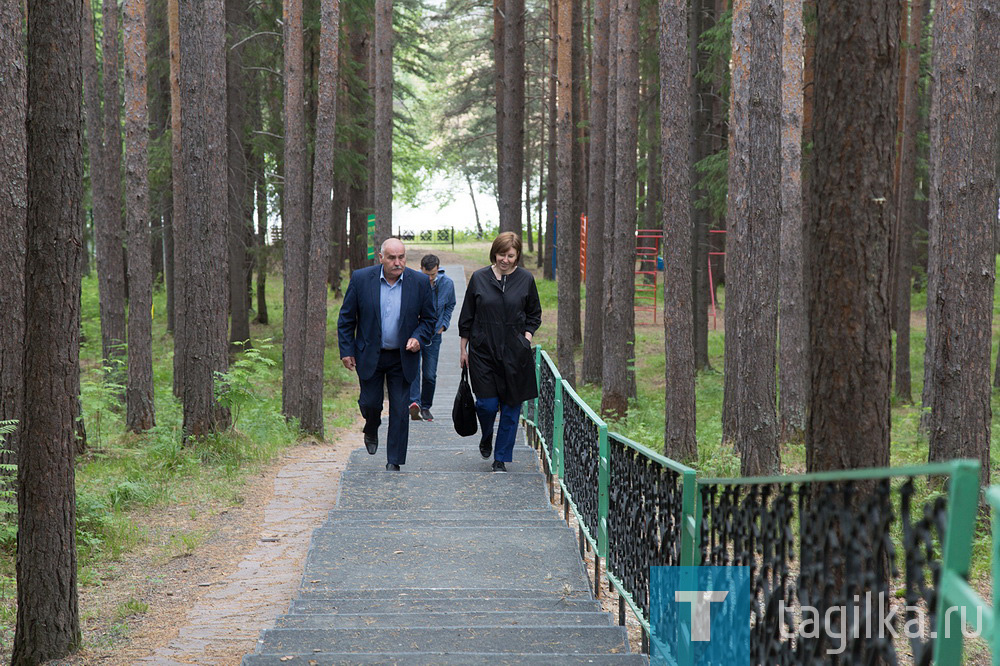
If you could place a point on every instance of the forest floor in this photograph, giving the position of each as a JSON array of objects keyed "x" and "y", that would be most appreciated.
[
  {"x": 206, "y": 601},
  {"x": 204, "y": 580}
]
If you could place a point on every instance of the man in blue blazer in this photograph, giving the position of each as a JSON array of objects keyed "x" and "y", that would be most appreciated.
[{"x": 387, "y": 315}]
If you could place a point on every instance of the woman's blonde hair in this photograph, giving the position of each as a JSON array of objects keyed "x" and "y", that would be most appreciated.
[{"x": 504, "y": 242}]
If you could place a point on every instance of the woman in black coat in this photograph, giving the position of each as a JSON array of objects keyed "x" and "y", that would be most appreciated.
[{"x": 500, "y": 314}]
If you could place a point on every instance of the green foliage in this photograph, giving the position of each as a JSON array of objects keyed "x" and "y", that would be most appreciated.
[
  {"x": 101, "y": 396},
  {"x": 8, "y": 496},
  {"x": 236, "y": 388},
  {"x": 713, "y": 182}
]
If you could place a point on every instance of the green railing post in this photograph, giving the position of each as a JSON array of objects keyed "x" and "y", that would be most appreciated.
[
  {"x": 993, "y": 497},
  {"x": 956, "y": 551},
  {"x": 603, "y": 485},
  {"x": 690, "y": 519},
  {"x": 557, "y": 430},
  {"x": 538, "y": 385}
]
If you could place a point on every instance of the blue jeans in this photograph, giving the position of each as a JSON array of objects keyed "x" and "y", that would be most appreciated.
[
  {"x": 486, "y": 410},
  {"x": 424, "y": 395}
]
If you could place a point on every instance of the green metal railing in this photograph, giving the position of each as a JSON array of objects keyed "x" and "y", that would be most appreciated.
[{"x": 636, "y": 509}]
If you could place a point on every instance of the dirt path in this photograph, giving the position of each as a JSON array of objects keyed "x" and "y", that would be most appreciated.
[{"x": 208, "y": 605}]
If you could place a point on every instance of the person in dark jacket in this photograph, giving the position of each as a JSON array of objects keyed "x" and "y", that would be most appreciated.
[
  {"x": 500, "y": 314},
  {"x": 386, "y": 317}
]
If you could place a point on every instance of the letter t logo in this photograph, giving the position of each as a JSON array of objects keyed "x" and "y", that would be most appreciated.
[{"x": 701, "y": 615}]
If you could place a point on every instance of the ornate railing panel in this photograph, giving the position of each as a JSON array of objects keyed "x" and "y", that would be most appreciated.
[
  {"x": 548, "y": 380},
  {"x": 581, "y": 459},
  {"x": 646, "y": 514},
  {"x": 834, "y": 540},
  {"x": 853, "y": 545}
]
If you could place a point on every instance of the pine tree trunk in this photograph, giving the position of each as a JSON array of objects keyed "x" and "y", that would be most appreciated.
[
  {"x": 551, "y": 186},
  {"x": 178, "y": 229},
  {"x": 568, "y": 255},
  {"x": 675, "y": 134},
  {"x": 296, "y": 233},
  {"x": 108, "y": 208},
  {"x": 906, "y": 204},
  {"x": 238, "y": 194},
  {"x": 698, "y": 19},
  {"x": 513, "y": 100},
  {"x": 619, "y": 334},
  {"x": 322, "y": 212},
  {"x": 579, "y": 173},
  {"x": 754, "y": 215},
  {"x": 13, "y": 219},
  {"x": 140, "y": 413},
  {"x": 499, "y": 93},
  {"x": 964, "y": 107},
  {"x": 262, "y": 252},
  {"x": 204, "y": 269},
  {"x": 48, "y": 616},
  {"x": 793, "y": 332},
  {"x": 382, "y": 153},
  {"x": 854, "y": 129},
  {"x": 593, "y": 333}
]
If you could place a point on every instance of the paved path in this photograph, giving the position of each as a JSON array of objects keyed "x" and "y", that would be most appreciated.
[{"x": 445, "y": 562}]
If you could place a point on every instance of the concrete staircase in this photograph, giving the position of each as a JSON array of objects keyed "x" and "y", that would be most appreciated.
[{"x": 443, "y": 563}]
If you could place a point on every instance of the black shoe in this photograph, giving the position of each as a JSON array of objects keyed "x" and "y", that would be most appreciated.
[
  {"x": 371, "y": 443},
  {"x": 414, "y": 411},
  {"x": 486, "y": 446},
  {"x": 499, "y": 466},
  {"x": 395, "y": 468},
  {"x": 425, "y": 414}
]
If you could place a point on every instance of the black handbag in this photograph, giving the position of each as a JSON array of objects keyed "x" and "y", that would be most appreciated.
[{"x": 463, "y": 413}]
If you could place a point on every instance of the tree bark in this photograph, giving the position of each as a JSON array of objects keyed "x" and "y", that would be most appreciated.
[
  {"x": 964, "y": 106},
  {"x": 579, "y": 170},
  {"x": 322, "y": 212},
  {"x": 205, "y": 261},
  {"x": 108, "y": 211},
  {"x": 793, "y": 333},
  {"x": 13, "y": 218},
  {"x": 906, "y": 204},
  {"x": 854, "y": 128},
  {"x": 675, "y": 134},
  {"x": 499, "y": 93},
  {"x": 140, "y": 413},
  {"x": 593, "y": 333},
  {"x": 239, "y": 196},
  {"x": 619, "y": 315},
  {"x": 754, "y": 215},
  {"x": 178, "y": 228},
  {"x": 551, "y": 185},
  {"x": 701, "y": 102},
  {"x": 567, "y": 254},
  {"x": 382, "y": 162},
  {"x": 48, "y": 617},
  {"x": 262, "y": 252},
  {"x": 296, "y": 234}
]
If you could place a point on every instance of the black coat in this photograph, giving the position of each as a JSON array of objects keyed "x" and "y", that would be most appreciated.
[{"x": 495, "y": 316}]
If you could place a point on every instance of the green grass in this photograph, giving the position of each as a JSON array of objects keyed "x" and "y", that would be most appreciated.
[{"x": 122, "y": 476}]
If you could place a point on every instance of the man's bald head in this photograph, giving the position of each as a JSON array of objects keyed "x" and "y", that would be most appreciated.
[{"x": 392, "y": 254}]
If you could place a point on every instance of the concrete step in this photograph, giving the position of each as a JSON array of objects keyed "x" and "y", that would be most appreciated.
[
  {"x": 485, "y": 516},
  {"x": 409, "y": 491},
  {"x": 520, "y": 640},
  {"x": 456, "y": 605},
  {"x": 320, "y": 592},
  {"x": 433, "y": 456},
  {"x": 445, "y": 659},
  {"x": 445, "y": 619},
  {"x": 540, "y": 558},
  {"x": 551, "y": 521}
]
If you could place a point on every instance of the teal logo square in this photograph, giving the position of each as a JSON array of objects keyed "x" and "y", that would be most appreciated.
[{"x": 700, "y": 616}]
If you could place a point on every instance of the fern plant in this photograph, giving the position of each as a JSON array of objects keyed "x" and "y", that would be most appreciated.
[{"x": 237, "y": 388}]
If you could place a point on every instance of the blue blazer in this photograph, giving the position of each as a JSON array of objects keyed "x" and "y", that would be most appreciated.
[{"x": 359, "y": 328}]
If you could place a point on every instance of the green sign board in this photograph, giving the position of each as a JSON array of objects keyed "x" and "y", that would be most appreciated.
[{"x": 371, "y": 236}]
